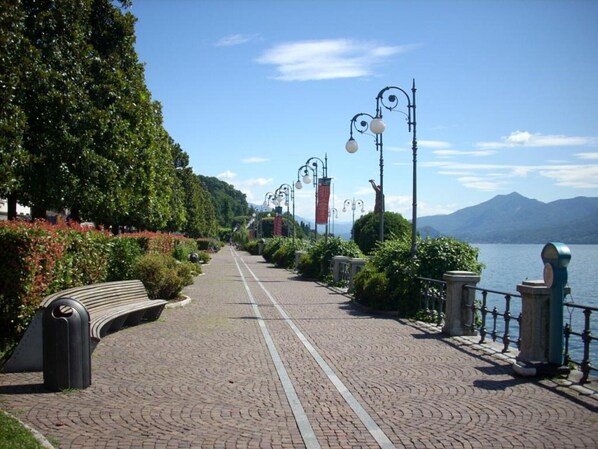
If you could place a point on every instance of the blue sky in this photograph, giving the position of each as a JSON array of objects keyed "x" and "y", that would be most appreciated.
[{"x": 507, "y": 95}]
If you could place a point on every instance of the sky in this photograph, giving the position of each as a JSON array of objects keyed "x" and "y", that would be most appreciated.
[{"x": 506, "y": 99}]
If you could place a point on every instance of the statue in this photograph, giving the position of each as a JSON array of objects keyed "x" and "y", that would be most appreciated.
[{"x": 379, "y": 205}]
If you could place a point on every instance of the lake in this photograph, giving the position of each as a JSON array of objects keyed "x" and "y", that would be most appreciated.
[{"x": 507, "y": 265}]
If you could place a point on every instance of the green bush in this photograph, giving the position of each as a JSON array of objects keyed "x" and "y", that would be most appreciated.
[
  {"x": 272, "y": 245},
  {"x": 371, "y": 287},
  {"x": 317, "y": 263},
  {"x": 124, "y": 253},
  {"x": 366, "y": 229},
  {"x": 284, "y": 256},
  {"x": 252, "y": 246},
  {"x": 435, "y": 256},
  {"x": 163, "y": 276}
]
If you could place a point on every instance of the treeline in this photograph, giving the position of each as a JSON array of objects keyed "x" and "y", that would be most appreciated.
[{"x": 79, "y": 130}]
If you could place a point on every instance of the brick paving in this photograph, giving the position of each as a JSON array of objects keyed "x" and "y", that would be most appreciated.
[{"x": 202, "y": 377}]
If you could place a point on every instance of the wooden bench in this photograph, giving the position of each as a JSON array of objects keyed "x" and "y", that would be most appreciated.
[{"x": 111, "y": 305}]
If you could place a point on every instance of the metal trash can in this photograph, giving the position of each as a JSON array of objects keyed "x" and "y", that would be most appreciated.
[{"x": 66, "y": 345}]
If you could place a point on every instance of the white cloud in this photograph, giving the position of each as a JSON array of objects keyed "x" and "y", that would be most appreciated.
[
  {"x": 587, "y": 155},
  {"x": 527, "y": 139},
  {"x": 327, "y": 59},
  {"x": 235, "y": 39},
  {"x": 434, "y": 144},
  {"x": 227, "y": 175},
  {"x": 568, "y": 175},
  {"x": 476, "y": 153},
  {"x": 578, "y": 177},
  {"x": 254, "y": 160}
]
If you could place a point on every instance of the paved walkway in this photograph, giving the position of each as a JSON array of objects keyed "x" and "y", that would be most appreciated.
[{"x": 261, "y": 359}]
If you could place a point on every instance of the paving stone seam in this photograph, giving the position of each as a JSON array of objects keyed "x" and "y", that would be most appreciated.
[
  {"x": 307, "y": 432},
  {"x": 355, "y": 405}
]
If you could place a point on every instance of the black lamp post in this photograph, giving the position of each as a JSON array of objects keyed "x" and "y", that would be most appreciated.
[
  {"x": 312, "y": 164},
  {"x": 387, "y": 100},
  {"x": 351, "y": 146},
  {"x": 288, "y": 192},
  {"x": 354, "y": 204}
]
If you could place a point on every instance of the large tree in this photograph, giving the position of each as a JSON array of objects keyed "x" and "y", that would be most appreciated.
[{"x": 79, "y": 127}]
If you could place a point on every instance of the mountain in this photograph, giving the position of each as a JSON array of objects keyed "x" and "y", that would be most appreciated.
[{"x": 514, "y": 218}]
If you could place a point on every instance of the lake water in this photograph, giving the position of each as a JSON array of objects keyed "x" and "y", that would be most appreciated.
[{"x": 507, "y": 265}]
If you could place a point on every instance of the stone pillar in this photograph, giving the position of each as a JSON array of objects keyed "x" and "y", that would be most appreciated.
[
  {"x": 535, "y": 335},
  {"x": 337, "y": 261},
  {"x": 458, "y": 316},
  {"x": 298, "y": 255},
  {"x": 356, "y": 266}
]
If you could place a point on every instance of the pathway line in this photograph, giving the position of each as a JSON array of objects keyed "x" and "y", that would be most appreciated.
[
  {"x": 307, "y": 432},
  {"x": 361, "y": 413}
]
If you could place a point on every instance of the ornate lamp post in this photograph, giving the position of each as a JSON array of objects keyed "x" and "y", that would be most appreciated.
[
  {"x": 312, "y": 165},
  {"x": 389, "y": 101},
  {"x": 354, "y": 204},
  {"x": 332, "y": 214},
  {"x": 287, "y": 192},
  {"x": 351, "y": 146}
]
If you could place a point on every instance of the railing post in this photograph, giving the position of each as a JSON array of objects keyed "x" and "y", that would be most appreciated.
[
  {"x": 459, "y": 303},
  {"x": 534, "y": 331},
  {"x": 336, "y": 267},
  {"x": 356, "y": 266}
]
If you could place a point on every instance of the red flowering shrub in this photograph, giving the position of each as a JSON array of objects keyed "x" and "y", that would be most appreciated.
[{"x": 39, "y": 259}]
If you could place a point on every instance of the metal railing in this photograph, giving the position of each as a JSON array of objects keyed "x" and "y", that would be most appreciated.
[
  {"x": 585, "y": 364},
  {"x": 482, "y": 313},
  {"x": 432, "y": 300}
]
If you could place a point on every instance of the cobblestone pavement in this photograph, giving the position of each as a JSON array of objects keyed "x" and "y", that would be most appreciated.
[{"x": 262, "y": 359}]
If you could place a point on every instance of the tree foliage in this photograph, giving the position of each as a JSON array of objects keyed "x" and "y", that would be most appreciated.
[
  {"x": 366, "y": 229},
  {"x": 79, "y": 129},
  {"x": 228, "y": 201}
]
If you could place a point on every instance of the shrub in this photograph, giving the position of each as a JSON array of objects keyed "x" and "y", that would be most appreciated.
[
  {"x": 317, "y": 262},
  {"x": 252, "y": 246},
  {"x": 435, "y": 256},
  {"x": 284, "y": 256},
  {"x": 124, "y": 253},
  {"x": 366, "y": 229},
  {"x": 272, "y": 245},
  {"x": 371, "y": 289},
  {"x": 163, "y": 276}
]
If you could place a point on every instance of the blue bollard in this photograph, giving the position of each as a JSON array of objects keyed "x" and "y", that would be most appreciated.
[{"x": 556, "y": 257}]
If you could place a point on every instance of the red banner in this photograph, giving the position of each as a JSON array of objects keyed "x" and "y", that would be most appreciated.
[
  {"x": 278, "y": 222},
  {"x": 323, "y": 199}
]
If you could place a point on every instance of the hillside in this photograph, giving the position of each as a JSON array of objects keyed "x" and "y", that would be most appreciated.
[{"x": 514, "y": 218}]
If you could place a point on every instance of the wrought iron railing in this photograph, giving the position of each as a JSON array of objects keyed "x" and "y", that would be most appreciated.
[
  {"x": 585, "y": 364},
  {"x": 500, "y": 321},
  {"x": 432, "y": 300}
]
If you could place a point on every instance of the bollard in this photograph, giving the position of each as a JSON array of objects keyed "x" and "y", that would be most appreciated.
[
  {"x": 556, "y": 257},
  {"x": 66, "y": 345}
]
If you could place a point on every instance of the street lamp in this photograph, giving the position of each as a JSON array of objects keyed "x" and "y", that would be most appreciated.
[
  {"x": 288, "y": 192},
  {"x": 322, "y": 196},
  {"x": 389, "y": 101},
  {"x": 362, "y": 126},
  {"x": 354, "y": 204},
  {"x": 332, "y": 214}
]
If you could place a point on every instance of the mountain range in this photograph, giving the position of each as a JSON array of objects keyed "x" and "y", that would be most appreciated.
[{"x": 514, "y": 218}]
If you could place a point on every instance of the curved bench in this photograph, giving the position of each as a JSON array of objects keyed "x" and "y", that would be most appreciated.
[{"x": 111, "y": 305}]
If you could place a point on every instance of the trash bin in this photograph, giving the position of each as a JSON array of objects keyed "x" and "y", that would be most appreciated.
[{"x": 66, "y": 345}]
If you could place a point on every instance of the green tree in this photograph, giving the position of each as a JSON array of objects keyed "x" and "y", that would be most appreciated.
[
  {"x": 366, "y": 229},
  {"x": 228, "y": 201}
]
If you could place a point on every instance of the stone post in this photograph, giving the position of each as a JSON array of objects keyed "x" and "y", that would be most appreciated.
[
  {"x": 356, "y": 266},
  {"x": 535, "y": 333},
  {"x": 298, "y": 255},
  {"x": 336, "y": 267},
  {"x": 458, "y": 315}
]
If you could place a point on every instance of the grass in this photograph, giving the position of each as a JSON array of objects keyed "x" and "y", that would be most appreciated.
[{"x": 14, "y": 436}]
